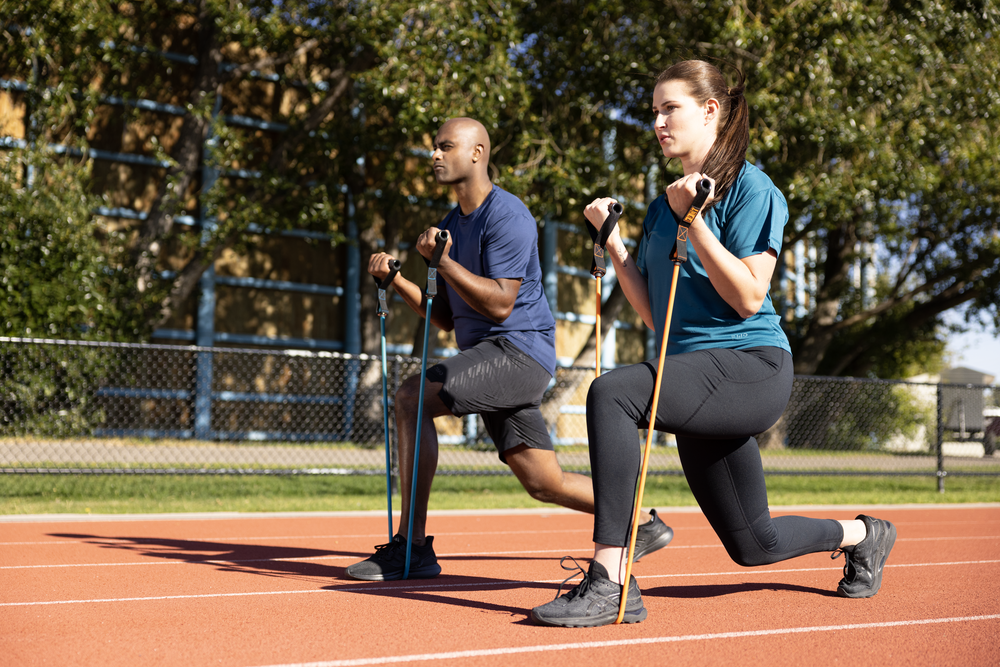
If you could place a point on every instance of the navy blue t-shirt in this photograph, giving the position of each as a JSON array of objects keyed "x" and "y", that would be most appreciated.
[{"x": 500, "y": 240}]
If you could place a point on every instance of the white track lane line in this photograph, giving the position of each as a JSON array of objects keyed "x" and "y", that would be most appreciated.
[
  {"x": 548, "y": 648},
  {"x": 404, "y": 588}
]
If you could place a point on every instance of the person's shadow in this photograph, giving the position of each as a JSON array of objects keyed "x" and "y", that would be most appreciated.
[
  {"x": 306, "y": 564},
  {"x": 719, "y": 590}
]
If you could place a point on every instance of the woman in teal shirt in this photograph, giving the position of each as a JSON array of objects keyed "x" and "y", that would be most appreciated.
[{"x": 727, "y": 374}]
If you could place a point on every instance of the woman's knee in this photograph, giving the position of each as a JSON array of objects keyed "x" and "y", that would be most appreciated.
[
  {"x": 749, "y": 555},
  {"x": 753, "y": 546}
]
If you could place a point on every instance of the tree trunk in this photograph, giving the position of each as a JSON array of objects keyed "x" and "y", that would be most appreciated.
[{"x": 840, "y": 252}]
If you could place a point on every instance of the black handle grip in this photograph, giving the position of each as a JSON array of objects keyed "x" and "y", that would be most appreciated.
[
  {"x": 703, "y": 187},
  {"x": 439, "y": 242},
  {"x": 610, "y": 222},
  {"x": 601, "y": 237},
  {"x": 394, "y": 266},
  {"x": 598, "y": 267}
]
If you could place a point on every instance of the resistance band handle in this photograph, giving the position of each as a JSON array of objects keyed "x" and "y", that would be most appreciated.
[
  {"x": 679, "y": 254},
  {"x": 394, "y": 267},
  {"x": 439, "y": 242},
  {"x": 597, "y": 265},
  {"x": 383, "y": 306},
  {"x": 703, "y": 187}
]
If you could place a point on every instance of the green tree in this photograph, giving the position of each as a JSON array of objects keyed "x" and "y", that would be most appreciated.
[
  {"x": 876, "y": 121},
  {"x": 61, "y": 277}
]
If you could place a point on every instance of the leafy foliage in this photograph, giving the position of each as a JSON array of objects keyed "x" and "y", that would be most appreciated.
[{"x": 877, "y": 121}]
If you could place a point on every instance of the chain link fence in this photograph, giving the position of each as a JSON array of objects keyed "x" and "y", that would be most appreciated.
[{"x": 83, "y": 407}]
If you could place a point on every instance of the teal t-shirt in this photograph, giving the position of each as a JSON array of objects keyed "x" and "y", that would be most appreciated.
[{"x": 748, "y": 221}]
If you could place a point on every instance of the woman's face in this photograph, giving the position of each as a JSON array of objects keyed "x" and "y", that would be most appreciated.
[{"x": 682, "y": 126}]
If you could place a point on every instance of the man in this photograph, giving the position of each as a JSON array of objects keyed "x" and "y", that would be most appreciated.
[{"x": 494, "y": 302}]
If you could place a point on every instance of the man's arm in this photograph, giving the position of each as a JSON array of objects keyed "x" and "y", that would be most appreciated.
[
  {"x": 493, "y": 298},
  {"x": 413, "y": 295}
]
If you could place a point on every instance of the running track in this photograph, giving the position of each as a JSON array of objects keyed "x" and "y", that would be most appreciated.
[{"x": 266, "y": 590}]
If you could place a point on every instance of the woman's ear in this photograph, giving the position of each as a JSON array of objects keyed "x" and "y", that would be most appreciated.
[{"x": 711, "y": 109}]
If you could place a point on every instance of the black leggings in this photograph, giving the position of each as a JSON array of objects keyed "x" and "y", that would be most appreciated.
[{"x": 714, "y": 401}]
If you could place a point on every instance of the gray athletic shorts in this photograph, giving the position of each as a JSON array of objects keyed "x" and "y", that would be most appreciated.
[{"x": 503, "y": 385}]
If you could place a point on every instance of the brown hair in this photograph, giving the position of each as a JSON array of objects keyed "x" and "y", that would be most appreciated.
[{"x": 728, "y": 153}]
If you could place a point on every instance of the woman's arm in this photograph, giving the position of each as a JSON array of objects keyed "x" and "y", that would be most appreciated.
[
  {"x": 633, "y": 283},
  {"x": 742, "y": 282}
]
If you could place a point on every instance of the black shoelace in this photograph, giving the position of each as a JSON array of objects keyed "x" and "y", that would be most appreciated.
[
  {"x": 848, "y": 563},
  {"x": 582, "y": 587}
]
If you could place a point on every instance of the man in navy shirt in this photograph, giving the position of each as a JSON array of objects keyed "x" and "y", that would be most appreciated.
[{"x": 492, "y": 284}]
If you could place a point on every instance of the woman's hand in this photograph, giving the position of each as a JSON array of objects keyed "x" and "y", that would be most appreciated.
[
  {"x": 597, "y": 212},
  {"x": 681, "y": 193}
]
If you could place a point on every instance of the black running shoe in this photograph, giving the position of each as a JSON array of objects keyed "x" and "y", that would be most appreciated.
[
  {"x": 652, "y": 535},
  {"x": 389, "y": 560},
  {"x": 865, "y": 560},
  {"x": 592, "y": 602}
]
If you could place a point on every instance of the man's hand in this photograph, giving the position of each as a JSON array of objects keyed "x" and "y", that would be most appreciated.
[
  {"x": 378, "y": 265},
  {"x": 427, "y": 241}
]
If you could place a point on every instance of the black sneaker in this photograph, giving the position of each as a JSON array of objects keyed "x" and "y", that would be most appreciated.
[
  {"x": 652, "y": 535},
  {"x": 865, "y": 560},
  {"x": 592, "y": 602},
  {"x": 389, "y": 560}
]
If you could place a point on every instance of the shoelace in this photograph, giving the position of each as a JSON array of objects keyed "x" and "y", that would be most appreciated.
[
  {"x": 389, "y": 546},
  {"x": 848, "y": 563},
  {"x": 582, "y": 587}
]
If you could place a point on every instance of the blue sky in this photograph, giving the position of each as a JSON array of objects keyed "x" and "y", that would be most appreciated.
[{"x": 976, "y": 350}]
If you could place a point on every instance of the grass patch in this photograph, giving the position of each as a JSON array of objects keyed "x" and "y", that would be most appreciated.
[{"x": 115, "y": 494}]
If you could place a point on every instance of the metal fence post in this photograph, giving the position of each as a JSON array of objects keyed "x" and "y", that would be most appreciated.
[
  {"x": 940, "y": 439},
  {"x": 205, "y": 326},
  {"x": 352, "y": 318},
  {"x": 204, "y": 360}
]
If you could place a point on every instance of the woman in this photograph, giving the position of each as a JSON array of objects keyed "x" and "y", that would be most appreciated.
[{"x": 728, "y": 370}]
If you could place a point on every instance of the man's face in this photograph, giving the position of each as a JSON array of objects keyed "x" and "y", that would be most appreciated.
[{"x": 452, "y": 156}]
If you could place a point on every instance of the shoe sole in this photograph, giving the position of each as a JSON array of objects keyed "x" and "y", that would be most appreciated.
[
  {"x": 663, "y": 540},
  {"x": 425, "y": 573},
  {"x": 877, "y": 579},
  {"x": 590, "y": 621}
]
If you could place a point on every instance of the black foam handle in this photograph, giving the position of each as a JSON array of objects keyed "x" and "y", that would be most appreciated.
[
  {"x": 439, "y": 242},
  {"x": 394, "y": 267},
  {"x": 610, "y": 222},
  {"x": 598, "y": 266},
  {"x": 704, "y": 186}
]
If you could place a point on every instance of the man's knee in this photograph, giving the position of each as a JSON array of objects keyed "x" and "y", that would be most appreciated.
[
  {"x": 409, "y": 391},
  {"x": 538, "y": 471}
]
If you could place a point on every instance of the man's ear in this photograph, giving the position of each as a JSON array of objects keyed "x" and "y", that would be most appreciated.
[{"x": 478, "y": 152}]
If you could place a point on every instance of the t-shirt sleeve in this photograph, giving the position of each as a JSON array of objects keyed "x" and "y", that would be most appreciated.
[
  {"x": 647, "y": 225},
  {"x": 757, "y": 225},
  {"x": 507, "y": 246}
]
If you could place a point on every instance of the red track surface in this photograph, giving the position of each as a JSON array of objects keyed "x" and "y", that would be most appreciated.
[{"x": 270, "y": 590}]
